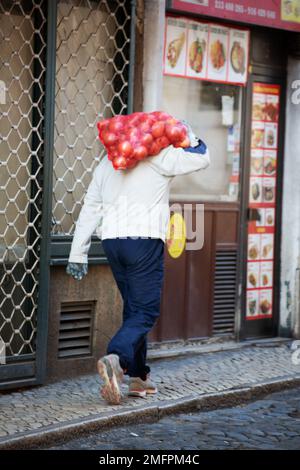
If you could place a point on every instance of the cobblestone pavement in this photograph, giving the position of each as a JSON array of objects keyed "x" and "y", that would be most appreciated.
[
  {"x": 60, "y": 403},
  {"x": 270, "y": 423}
]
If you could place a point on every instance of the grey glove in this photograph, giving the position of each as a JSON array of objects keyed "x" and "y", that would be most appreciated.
[
  {"x": 194, "y": 141},
  {"x": 77, "y": 270}
]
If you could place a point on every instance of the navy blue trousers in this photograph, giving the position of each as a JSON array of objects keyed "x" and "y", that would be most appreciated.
[{"x": 137, "y": 266}]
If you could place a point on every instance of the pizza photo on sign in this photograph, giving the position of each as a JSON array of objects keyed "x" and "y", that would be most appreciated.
[{"x": 238, "y": 57}]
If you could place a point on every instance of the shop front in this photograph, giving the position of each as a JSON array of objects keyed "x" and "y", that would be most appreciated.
[
  {"x": 225, "y": 71},
  {"x": 63, "y": 65}
]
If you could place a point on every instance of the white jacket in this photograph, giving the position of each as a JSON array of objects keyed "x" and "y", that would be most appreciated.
[{"x": 123, "y": 203}]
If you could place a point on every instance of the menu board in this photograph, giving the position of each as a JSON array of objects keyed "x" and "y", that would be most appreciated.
[
  {"x": 206, "y": 51},
  {"x": 262, "y": 197}
]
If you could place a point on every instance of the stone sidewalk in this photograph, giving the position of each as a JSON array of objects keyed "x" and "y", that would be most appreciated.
[{"x": 203, "y": 380}]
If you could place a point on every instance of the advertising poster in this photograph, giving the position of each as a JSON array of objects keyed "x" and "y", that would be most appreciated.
[
  {"x": 253, "y": 275},
  {"x": 262, "y": 197},
  {"x": 266, "y": 274},
  {"x": 257, "y": 162},
  {"x": 256, "y": 190},
  {"x": 258, "y": 106},
  {"x": 238, "y": 50},
  {"x": 271, "y": 108},
  {"x": 290, "y": 11},
  {"x": 268, "y": 190},
  {"x": 267, "y": 246},
  {"x": 253, "y": 247},
  {"x": 252, "y": 303},
  {"x": 206, "y": 51},
  {"x": 175, "y": 46},
  {"x": 270, "y": 135},
  {"x": 265, "y": 302},
  {"x": 270, "y": 157},
  {"x": 218, "y": 53},
  {"x": 257, "y": 134},
  {"x": 197, "y": 49},
  {"x": 270, "y": 217}
]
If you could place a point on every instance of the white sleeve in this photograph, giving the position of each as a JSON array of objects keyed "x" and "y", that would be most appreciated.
[
  {"x": 89, "y": 218},
  {"x": 177, "y": 161}
]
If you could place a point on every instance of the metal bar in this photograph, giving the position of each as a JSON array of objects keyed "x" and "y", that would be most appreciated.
[
  {"x": 44, "y": 275},
  {"x": 17, "y": 371},
  {"x": 60, "y": 247},
  {"x": 131, "y": 57}
]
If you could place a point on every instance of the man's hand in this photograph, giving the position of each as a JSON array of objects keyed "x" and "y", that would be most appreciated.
[
  {"x": 77, "y": 270},
  {"x": 194, "y": 141}
]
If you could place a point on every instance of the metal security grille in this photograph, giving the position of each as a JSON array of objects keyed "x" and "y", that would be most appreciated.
[
  {"x": 224, "y": 292},
  {"x": 92, "y": 62},
  {"x": 22, "y": 77}
]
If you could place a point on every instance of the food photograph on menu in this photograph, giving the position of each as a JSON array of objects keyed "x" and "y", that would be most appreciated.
[
  {"x": 197, "y": 49},
  {"x": 175, "y": 50},
  {"x": 218, "y": 52},
  {"x": 206, "y": 51}
]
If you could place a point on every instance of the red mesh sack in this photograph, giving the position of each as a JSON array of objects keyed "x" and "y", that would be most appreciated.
[{"x": 132, "y": 138}]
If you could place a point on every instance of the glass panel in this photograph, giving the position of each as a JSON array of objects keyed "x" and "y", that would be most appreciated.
[
  {"x": 214, "y": 112},
  {"x": 91, "y": 83}
]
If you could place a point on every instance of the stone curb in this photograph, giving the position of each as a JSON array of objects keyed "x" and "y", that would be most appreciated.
[
  {"x": 55, "y": 434},
  {"x": 184, "y": 350}
]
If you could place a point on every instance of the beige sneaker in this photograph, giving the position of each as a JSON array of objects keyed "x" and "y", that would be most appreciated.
[
  {"x": 112, "y": 373},
  {"x": 140, "y": 388}
]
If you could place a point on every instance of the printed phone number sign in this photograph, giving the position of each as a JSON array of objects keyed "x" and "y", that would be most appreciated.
[
  {"x": 283, "y": 14},
  {"x": 206, "y": 51}
]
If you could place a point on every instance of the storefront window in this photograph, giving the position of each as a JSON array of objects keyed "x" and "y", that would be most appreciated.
[{"x": 214, "y": 112}]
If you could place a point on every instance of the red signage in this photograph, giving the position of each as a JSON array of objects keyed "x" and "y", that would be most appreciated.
[
  {"x": 283, "y": 14},
  {"x": 262, "y": 198}
]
